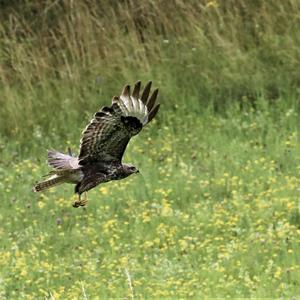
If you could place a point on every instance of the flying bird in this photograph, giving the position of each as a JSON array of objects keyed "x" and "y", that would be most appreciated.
[{"x": 103, "y": 144}]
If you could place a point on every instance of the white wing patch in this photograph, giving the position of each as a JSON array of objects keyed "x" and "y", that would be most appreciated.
[
  {"x": 104, "y": 138},
  {"x": 133, "y": 107},
  {"x": 137, "y": 105}
]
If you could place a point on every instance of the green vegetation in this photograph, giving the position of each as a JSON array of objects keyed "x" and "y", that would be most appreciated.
[{"x": 215, "y": 211}]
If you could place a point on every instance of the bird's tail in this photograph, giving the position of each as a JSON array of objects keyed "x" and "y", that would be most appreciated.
[
  {"x": 61, "y": 161},
  {"x": 49, "y": 183}
]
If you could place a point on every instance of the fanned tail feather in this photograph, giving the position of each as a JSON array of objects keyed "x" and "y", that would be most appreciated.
[{"x": 61, "y": 161}]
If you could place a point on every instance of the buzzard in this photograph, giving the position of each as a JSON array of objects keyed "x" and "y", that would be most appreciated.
[{"x": 103, "y": 143}]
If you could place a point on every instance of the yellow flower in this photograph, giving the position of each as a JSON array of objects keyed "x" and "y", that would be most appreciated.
[
  {"x": 183, "y": 244},
  {"x": 166, "y": 211},
  {"x": 277, "y": 273},
  {"x": 41, "y": 204},
  {"x": 212, "y": 4},
  {"x": 148, "y": 244},
  {"x": 103, "y": 190},
  {"x": 124, "y": 261},
  {"x": 24, "y": 272}
]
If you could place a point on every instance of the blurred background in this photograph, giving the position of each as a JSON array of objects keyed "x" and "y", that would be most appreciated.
[
  {"x": 65, "y": 58},
  {"x": 215, "y": 211}
]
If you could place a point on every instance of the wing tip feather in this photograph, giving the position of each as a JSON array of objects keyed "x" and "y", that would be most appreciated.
[
  {"x": 153, "y": 112},
  {"x": 143, "y": 107},
  {"x": 126, "y": 90},
  {"x": 146, "y": 92},
  {"x": 136, "y": 89}
]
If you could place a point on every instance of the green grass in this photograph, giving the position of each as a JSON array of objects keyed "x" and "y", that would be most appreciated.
[
  {"x": 215, "y": 210},
  {"x": 55, "y": 57}
]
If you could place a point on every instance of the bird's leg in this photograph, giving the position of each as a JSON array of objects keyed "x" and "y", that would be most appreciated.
[
  {"x": 80, "y": 202},
  {"x": 77, "y": 202},
  {"x": 85, "y": 200}
]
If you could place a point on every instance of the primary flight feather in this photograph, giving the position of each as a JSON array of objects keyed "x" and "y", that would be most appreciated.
[{"x": 103, "y": 143}]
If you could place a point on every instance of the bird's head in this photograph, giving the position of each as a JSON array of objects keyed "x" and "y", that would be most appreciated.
[{"x": 130, "y": 169}]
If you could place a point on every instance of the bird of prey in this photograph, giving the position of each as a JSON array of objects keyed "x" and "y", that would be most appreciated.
[{"x": 103, "y": 143}]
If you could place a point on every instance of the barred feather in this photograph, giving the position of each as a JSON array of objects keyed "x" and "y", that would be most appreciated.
[
  {"x": 49, "y": 183},
  {"x": 107, "y": 135},
  {"x": 103, "y": 142}
]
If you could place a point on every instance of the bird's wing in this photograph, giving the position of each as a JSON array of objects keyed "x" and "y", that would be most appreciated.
[
  {"x": 107, "y": 135},
  {"x": 89, "y": 182}
]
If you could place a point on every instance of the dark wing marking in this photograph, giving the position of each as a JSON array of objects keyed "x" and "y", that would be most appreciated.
[
  {"x": 105, "y": 138},
  {"x": 89, "y": 182},
  {"x": 107, "y": 135}
]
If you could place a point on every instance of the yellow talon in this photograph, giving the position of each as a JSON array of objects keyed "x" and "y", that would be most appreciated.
[
  {"x": 80, "y": 202},
  {"x": 83, "y": 202}
]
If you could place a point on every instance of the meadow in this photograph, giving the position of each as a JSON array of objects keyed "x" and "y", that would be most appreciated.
[{"x": 215, "y": 209}]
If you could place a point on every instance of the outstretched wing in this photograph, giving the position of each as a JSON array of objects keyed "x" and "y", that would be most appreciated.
[{"x": 106, "y": 137}]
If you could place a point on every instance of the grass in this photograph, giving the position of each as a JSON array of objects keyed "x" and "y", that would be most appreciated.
[
  {"x": 55, "y": 55},
  {"x": 215, "y": 210},
  {"x": 213, "y": 213}
]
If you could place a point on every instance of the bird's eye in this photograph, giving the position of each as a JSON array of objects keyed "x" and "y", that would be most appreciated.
[{"x": 133, "y": 169}]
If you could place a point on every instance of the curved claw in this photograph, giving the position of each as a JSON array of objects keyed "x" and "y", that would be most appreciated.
[{"x": 80, "y": 202}]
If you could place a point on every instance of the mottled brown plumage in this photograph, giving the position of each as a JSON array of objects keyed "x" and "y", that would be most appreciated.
[{"x": 103, "y": 143}]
